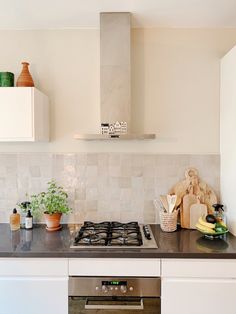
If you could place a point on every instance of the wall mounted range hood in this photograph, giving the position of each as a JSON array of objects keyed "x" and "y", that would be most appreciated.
[{"x": 115, "y": 76}]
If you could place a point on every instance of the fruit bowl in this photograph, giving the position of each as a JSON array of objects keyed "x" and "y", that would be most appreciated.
[
  {"x": 210, "y": 227},
  {"x": 212, "y": 235}
]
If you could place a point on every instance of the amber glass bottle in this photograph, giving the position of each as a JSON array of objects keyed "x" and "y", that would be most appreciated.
[{"x": 15, "y": 220}]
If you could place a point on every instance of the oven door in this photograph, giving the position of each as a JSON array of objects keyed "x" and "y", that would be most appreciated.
[
  {"x": 114, "y": 295},
  {"x": 111, "y": 305}
]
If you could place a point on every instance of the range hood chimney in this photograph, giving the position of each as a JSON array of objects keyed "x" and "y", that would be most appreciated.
[{"x": 115, "y": 75}]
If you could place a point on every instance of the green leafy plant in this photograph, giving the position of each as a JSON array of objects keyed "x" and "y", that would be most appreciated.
[
  {"x": 54, "y": 200},
  {"x": 26, "y": 205}
]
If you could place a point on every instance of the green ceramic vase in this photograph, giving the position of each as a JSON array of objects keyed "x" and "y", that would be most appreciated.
[{"x": 6, "y": 79}]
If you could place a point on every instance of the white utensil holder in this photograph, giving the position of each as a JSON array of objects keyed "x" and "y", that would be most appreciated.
[{"x": 168, "y": 221}]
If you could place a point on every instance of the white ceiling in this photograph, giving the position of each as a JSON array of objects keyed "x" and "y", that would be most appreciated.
[{"x": 47, "y": 14}]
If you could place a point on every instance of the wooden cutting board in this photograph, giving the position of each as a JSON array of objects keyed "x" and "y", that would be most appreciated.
[
  {"x": 200, "y": 188},
  {"x": 188, "y": 200},
  {"x": 196, "y": 211}
]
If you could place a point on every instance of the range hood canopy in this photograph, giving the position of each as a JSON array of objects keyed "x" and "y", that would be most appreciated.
[{"x": 115, "y": 75}]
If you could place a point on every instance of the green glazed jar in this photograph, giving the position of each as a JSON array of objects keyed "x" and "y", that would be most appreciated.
[{"x": 6, "y": 79}]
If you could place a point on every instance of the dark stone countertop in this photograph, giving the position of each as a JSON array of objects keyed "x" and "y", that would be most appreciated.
[{"x": 180, "y": 244}]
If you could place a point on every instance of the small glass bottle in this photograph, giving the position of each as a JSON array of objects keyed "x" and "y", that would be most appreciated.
[
  {"x": 15, "y": 220},
  {"x": 219, "y": 212},
  {"x": 29, "y": 220}
]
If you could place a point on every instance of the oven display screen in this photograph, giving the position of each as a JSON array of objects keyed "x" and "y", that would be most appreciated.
[{"x": 114, "y": 283}]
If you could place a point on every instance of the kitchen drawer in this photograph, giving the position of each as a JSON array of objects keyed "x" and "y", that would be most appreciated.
[
  {"x": 198, "y": 268},
  {"x": 141, "y": 267},
  {"x": 33, "y": 267}
]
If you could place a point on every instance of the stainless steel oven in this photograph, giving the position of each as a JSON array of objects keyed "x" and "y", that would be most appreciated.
[{"x": 114, "y": 295}]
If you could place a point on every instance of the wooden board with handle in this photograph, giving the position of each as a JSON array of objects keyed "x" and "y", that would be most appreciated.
[
  {"x": 196, "y": 211},
  {"x": 188, "y": 200}
]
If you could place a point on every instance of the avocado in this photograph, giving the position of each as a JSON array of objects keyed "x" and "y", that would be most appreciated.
[{"x": 211, "y": 218}]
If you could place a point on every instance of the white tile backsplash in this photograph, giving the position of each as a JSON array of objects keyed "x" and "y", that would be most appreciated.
[{"x": 103, "y": 186}]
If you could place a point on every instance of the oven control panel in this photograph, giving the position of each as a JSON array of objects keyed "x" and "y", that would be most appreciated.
[{"x": 114, "y": 286}]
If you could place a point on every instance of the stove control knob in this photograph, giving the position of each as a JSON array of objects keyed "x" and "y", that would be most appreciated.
[
  {"x": 97, "y": 288},
  {"x": 104, "y": 289},
  {"x": 131, "y": 289},
  {"x": 123, "y": 289}
]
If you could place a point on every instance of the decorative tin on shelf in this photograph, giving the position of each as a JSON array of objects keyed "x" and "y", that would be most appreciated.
[
  {"x": 111, "y": 129},
  {"x": 117, "y": 127},
  {"x": 123, "y": 127},
  {"x": 105, "y": 128},
  {"x": 6, "y": 79}
]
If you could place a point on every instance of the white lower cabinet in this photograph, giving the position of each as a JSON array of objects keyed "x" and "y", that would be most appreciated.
[
  {"x": 198, "y": 296},
  {"x": 33, "y": 286},
  {"x": 198, "y": 286},
  {"x": 32, "y": 295},
  {"x": 189, "y": 286}
]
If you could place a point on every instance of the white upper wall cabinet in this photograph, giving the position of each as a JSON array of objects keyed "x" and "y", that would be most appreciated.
[{"x": 24, "y": 115}]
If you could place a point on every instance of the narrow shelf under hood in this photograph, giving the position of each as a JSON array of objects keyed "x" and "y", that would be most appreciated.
[{"x": 115, "y": 137}]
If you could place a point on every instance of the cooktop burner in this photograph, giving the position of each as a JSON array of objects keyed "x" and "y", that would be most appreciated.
[{"x": 113, "y": 234}]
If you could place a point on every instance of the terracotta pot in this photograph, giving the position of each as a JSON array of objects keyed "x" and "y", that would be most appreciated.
[
  {"x": 25, "y": 78},
  {"x": 53, "y": 221}
]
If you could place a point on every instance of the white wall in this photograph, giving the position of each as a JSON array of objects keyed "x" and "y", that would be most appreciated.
[
  {"x": 227, "y": 136},
  {"x": 175, "y": 84}
]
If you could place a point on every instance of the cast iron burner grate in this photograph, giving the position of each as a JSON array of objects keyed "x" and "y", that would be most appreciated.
[{"x": 109, "y": 234}]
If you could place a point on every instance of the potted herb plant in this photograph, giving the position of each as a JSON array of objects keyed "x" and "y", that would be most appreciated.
[{"x": 53, "y": 203}]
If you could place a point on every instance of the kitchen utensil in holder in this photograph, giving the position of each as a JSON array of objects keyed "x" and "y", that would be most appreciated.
[{"x": 168, "y": 221}]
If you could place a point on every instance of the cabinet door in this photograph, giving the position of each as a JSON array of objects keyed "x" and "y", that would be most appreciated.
[
  {"x": 227, "y": 136},
  {"x": 196, "y": 296},
  {"x": 33, "y": 295},
  {"x": 16, "y": 114}
]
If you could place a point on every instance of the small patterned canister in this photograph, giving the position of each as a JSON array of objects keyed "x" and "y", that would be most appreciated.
[{"x": 6, "y": 79}]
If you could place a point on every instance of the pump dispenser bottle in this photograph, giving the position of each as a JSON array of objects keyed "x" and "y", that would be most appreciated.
[
  {"x": 29, "y": 221},
  {"x": 219, "y": 212}
]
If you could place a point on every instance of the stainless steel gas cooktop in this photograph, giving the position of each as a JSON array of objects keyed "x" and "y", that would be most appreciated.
[{"x": 113, "y": 235}]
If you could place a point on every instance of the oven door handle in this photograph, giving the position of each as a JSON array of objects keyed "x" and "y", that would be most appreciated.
[{"x": 101, "y": 306}]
